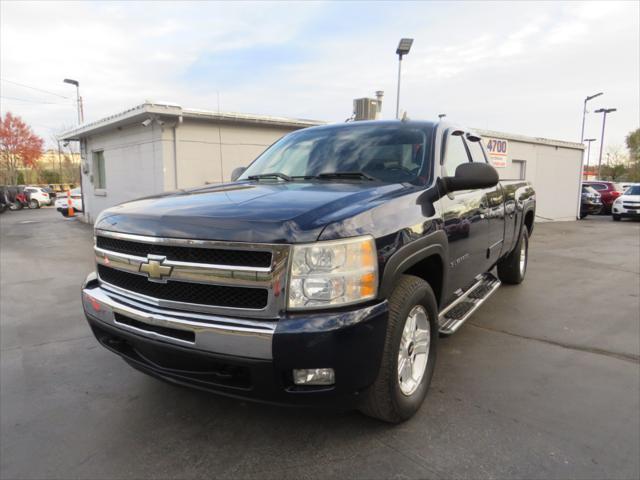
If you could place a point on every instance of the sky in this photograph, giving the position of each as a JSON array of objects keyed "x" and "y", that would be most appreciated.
[{"x": 517, "y": 67}]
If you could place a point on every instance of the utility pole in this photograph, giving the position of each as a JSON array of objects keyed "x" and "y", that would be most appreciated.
[
  {"x": 584, "y": 113},
  {"x": 588, "y": 141},
  {"x": 78, "y": 99},
  {"x": 403, "y": 48},
  {"x": 604, "y": 112}
]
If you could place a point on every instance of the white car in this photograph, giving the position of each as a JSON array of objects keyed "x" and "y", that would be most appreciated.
[
  {"x": 62, "y": 204},
  {"x": 626, "y": 185},
  {"x": 37, "y": 197},
  {"x": 627, "y": 204}
]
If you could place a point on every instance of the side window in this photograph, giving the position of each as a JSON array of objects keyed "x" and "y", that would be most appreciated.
[
  {"x": 455, "y": 154},
  {"x": 477, "y": 155},
  {"x": 99, "y": 180},
  {"x": 599, "y": 186}
]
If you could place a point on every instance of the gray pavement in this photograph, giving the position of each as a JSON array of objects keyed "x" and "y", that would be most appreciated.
[{"x": 543, "y": 382}]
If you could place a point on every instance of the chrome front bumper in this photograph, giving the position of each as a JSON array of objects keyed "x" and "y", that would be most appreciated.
[{"x": 211, "y": 333}]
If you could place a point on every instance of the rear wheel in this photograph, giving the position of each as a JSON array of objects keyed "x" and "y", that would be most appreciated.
[
  {"x": 33, "y": 203},
  {"x": 409, "y": 353},
  {"x": 582, "y": 215},
  {"x": 513, "y": 268}
]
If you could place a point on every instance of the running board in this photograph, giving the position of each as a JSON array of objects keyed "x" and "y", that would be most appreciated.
[{"x": 457, "y": 312}]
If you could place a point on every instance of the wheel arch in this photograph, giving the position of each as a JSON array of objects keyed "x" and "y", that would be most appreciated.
[{"x": 424, "y": 258}]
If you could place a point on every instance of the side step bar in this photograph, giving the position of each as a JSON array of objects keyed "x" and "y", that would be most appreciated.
[{"x": 458, "y": 311}]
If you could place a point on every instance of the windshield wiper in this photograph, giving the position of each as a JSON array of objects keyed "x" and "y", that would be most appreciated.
[
  {"x": 282, "y": 176},
  {"x": 329, "y": 175}
]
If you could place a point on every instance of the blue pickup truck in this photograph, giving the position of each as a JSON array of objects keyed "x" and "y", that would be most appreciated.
[{"x": 323, "y": 274}]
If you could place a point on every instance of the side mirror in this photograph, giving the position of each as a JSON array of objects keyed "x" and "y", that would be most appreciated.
[
  {"x": 471, "y": 176},
  {"x": 237, "y": 172}
]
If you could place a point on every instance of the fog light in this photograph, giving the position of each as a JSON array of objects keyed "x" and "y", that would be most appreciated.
[{"x": 314, "y": 376}]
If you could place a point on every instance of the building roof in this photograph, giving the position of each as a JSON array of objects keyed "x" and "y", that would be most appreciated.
[
  {"x": 166, "y": 109},
  {"x": 526, "y": 139},
  {"x": 150, "y": 109}
]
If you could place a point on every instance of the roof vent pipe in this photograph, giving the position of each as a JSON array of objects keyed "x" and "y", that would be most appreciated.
[{"x": 379, "y": 95}]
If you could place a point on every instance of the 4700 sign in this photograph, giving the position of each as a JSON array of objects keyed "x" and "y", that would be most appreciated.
[{"x": 497, "y": 150}]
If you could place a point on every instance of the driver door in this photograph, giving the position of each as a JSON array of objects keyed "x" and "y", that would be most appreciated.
[{"x": 464, "y": 220}]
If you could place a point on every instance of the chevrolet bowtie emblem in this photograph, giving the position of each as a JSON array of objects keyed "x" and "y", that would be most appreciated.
[{"x": 154, "y": 268}]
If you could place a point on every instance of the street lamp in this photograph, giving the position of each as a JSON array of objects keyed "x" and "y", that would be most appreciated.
[
  {"x": 588, "y": 141},
  {"x": 584, "y": 112},
  {"x": 441, "y": 116},
  {"x": 79, "y": 98},
  {"x": 403, "y": 48},
  {"x": 604, "y": 112}
]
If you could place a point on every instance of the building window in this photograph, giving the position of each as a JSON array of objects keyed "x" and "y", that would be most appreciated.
[
  {"x": 99, "y": 179},
  {"x": 520, "y": 167}
]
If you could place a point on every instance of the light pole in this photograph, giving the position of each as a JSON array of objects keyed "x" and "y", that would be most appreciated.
[
  {"x": 403, "y": 48},
  {"x": 588, "y": 141},
  {"x": 441, "y": 116},
  {"x": 79, "y": 98},
  {"x": 584, "y": 112},
  {"x": 604, "y": 112}
]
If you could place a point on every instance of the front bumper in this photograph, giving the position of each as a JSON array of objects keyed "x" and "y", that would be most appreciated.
[
  {"x": 243, "y": 358},
  {"x": 623, "y": 211}
]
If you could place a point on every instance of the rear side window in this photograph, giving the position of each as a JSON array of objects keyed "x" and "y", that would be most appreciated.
[
  {"x": 455, "y": 154},
  {"x": 599, "y": 186},
  {"x": 477, "y": 155}
]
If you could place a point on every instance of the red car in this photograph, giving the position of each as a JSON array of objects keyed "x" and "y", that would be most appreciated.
[{"x": 608, "y": 191}]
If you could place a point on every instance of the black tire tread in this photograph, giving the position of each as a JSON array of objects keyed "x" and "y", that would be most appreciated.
[
  {"x": 378, "y": 400},
  {"x": 509, "y": 267}
]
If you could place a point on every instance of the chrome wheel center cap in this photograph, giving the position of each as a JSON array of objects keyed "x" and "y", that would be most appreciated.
[{"x": 414, "y": 350}]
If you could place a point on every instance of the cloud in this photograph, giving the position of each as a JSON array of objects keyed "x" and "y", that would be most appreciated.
[{"x": 523, "y": 67}]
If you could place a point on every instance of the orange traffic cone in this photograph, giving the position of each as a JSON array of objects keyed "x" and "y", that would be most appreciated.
[{"x": 69, "y": 204}]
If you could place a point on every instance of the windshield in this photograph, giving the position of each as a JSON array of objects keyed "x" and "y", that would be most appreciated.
[
  {"x": 388, "y": 153},
  {"x": 634, "y": 190}
]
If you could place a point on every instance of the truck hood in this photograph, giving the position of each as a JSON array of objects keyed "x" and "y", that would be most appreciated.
[{"x": 248, "y": 211}]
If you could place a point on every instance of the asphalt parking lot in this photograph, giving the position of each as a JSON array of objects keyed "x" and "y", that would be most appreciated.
[{"x": 544, "y": 382}]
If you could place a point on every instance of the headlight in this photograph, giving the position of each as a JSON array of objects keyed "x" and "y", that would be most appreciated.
[
  {"x": 333, "y": 273},
  {"x": 617, "y": 201}
]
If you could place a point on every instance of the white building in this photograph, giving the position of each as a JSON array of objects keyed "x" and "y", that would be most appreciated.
[
  {"x": 552, "y": 166},
  {"x": 153, "y": 148}
]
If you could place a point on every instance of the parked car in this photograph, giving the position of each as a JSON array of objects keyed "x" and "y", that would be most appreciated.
[
  {"x": 322, "y": 277},
  {"x": 608, "y": 191},
  {"x": 627, "y": 205},
  {"x": 37, "y": 197},
  {"x": 591, "y": 203},
  {"x": 50, "y": 191},
  {"x": 625, "y": 185},
  {"x": 62, "y": 203},
  {"x": 18, "y": 198},
  {"x": 4, "y": 199}
]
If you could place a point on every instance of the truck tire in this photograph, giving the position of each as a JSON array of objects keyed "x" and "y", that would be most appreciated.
[
  {"x": 513, "y": 268},
  {"x": 411, "y": 340}
]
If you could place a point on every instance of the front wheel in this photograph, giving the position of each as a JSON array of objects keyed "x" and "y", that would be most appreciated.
[
  {"x": 409, "y": 353},
  {"x": 513, "y": 267},
  {"x": 616, "y": 218}
]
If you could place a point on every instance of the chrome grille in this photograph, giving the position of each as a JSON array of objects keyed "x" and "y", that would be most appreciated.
[
  {"x": 214, "y": 256},
  {"x": 194, "y": 275}
]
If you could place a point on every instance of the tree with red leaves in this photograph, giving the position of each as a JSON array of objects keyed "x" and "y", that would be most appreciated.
[{"x": 19, "y": 146}]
